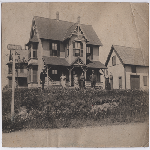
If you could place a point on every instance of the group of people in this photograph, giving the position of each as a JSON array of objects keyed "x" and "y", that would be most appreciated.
[{"x": 78, "y": 82}]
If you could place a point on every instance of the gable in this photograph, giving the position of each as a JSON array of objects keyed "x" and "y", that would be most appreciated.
[
  {"x": 117, "y": 59},
  {"x": 78, "y": 62}
]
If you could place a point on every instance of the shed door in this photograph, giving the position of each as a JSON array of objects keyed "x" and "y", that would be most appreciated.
[{"x": 135, "y": 81}]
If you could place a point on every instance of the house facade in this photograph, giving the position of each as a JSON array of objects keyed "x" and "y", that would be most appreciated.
[
  {"x": 63, "y": 47},
  {"x": 127, "y": 68},
  {"x": 21, "y": 62}
]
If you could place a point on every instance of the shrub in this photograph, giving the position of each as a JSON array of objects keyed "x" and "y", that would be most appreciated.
[{"x": 57, "y": 108}]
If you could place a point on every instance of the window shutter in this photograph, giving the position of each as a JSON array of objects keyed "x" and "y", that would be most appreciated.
[
  {"x": 74, "y": 52},
  {"x": 81, "y": 45},
  {"x": 58, "y": 49},
  {"x": 81, "y": 54}
]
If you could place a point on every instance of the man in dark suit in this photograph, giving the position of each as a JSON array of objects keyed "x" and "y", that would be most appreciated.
[
  {"x": 42, "y": 77},
  {"x": 93, "y": 79}
]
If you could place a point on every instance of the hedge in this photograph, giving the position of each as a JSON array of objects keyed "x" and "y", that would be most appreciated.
[{"x": 61, "y": 108}]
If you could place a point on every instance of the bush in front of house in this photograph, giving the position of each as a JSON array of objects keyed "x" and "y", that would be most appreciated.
[{"x": 61, "y": 108}]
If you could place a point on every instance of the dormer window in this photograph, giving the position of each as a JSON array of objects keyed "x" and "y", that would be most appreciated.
[{"x": 78, "y": 49}]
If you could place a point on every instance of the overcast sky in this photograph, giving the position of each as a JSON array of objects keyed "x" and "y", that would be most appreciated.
[{"x": 124, "y": 24}]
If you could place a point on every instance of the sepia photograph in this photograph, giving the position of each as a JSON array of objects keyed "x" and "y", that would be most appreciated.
[{"x": 75, "y": 74}]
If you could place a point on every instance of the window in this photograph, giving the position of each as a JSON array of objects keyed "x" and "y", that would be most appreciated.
[
  {"x": 54, "y": 49},
  {"x": 88, "y": 50},
  {"x": 21, "y": 68},
  {"x": 54, "y": 46},
  {"x": 78, "y": 49},
  {"x": 10, "y": 69},
  {"x": 145, "y": 80},
  {"x": 54, "y": 71},
  {"x": 133, "y": 69},
  {"x": 67, "y": 50},
  {"x": 114, "y": 60},
  {"x": 29, "y": 53},
  {"x": 34, "y": 53},
  {"x": 34, "y": 75}
]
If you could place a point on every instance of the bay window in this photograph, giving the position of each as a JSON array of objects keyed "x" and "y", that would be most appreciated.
[{"x": 78, "y": 49}]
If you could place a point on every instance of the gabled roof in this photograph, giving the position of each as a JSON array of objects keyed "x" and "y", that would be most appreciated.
[
  {"x": 60, "y": 30},
  {"x": 95, "y": 64},
  {"x": 128, "y": 55},
  {"x": 34, "y": 39},
  {"x": 55, "y": 61}
]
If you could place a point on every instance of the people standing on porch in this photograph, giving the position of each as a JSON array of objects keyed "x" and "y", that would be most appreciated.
[
  {"x": 93, "y": 79},
  {"x": 76, "y": 82},
  {"x": 42, "y": 77},
  {"x": 63, "y": 80},
  {"x": 82, "y": 81}
]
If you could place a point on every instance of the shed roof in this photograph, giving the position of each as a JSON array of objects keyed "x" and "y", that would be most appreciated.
[
  {"x": 96, "y": 64},
  {"x": 55, "y": 61}
]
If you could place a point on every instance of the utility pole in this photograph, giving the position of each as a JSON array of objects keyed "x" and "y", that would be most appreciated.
[{"x": 13, "y": 48}]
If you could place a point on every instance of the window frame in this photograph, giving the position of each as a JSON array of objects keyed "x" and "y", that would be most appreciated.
[
  {"x": 77, "y": 46},
  {"x": 54, "y": 71}
]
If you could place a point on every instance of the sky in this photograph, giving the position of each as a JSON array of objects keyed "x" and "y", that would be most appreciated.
[{"x": 124, "y": 24}]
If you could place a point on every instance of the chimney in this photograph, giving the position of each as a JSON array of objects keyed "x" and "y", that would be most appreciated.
[
  {"x": 78, "y": 20},
  {"x": 57, "y": 15}
]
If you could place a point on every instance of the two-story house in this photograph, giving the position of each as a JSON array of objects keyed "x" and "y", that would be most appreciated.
[
  {"x": 127, "y": 68},
  {"x": 21, "y": 62},
  {"x": 63, "y": 47}
]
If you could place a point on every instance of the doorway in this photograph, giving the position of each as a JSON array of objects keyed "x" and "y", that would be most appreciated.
[{"x": 135, "y": 81}]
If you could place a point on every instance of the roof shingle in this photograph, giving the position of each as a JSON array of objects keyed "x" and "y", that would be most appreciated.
[
  {"x": 55, "y": 61},
  {"x": 60, "y": 30},
  {"x": 96, "y": 64},
  {"x": 129, "y": 55}
]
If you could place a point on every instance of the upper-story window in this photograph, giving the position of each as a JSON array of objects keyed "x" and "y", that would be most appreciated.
[
  {"x": 114, "y": 60},
  {"x": 54, "y": 49},
  {"x": 35, "y": 50},
  {"x": 67, "y": 50},
  {"x": 133, "y": 69},
  {"x": 89, "y": 52},
  {"x": 32, "y": 51},
  {"x": 78, "y": 49}
]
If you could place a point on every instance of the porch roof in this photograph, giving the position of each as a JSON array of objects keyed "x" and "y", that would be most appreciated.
[
  {"x": 55, "y": 61},
  {"x": 96, "y": 64}
]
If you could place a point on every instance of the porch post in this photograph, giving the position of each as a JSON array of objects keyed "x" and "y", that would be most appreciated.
[
  {"x": 31, "y": 75},
  {"x": 47, "y": 75},
  {"x": 70, "y": 76}
]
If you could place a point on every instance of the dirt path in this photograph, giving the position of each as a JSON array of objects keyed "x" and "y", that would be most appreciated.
[{"x": 128, "y": 135}]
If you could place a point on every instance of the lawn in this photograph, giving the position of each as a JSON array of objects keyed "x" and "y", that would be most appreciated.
[{"x": 58, "y": 108}]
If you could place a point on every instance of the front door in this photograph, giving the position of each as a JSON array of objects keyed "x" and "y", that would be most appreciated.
[
  {"x": 135, "y": 81},
  {"x": 78, "y": 71}
]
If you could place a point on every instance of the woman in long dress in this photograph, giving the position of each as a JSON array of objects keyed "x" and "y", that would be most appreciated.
[
  {"x": 63, "y": 80},
  {"x": 76, "y": 82},
  {"x": 82, "y": 80}
]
